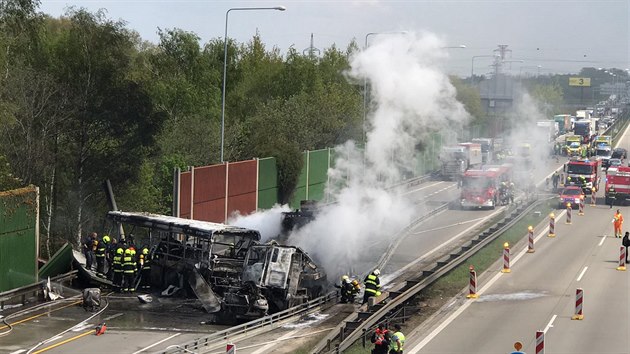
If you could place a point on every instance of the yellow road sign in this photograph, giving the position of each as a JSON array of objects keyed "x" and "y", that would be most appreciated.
[{"x": 580, "y": 81}]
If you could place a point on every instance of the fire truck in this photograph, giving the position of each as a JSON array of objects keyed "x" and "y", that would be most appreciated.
[
  {"x": 619, "y": 177},
  {"x": 589, "y": 169},
  {"x": 480, "y": 188}
]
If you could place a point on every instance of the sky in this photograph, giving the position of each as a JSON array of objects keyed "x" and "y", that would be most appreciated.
[{"x": 550, "y": 36}]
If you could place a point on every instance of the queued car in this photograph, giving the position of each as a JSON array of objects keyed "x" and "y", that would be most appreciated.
[
  {"x": 571, "y": 194},
  {"x": 619, "y": 153}
]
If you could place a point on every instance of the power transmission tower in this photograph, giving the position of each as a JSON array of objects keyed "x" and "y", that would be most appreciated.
[{"x": 311, "y": 49}]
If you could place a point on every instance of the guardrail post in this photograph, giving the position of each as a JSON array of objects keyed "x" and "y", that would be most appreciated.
[
  {"x": 342, "y": 331},
  {"x": 337, "y": 349},
  {"x": 403, "y": 315},
  {"x": 328, "y": 344},
  {"x": 363, "y": 337}
]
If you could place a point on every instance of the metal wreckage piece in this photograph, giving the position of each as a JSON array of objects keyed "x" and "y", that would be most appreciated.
[{"x": 234, "y": 276}]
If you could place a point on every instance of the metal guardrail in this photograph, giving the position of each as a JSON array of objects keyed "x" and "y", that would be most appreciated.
[
  {"x": 255, "y": 327},
  {"x": 32, "y": 290},
  {"x": 443, "y": 266}
]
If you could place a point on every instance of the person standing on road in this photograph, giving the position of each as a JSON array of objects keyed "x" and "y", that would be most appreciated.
[
  {"x": 381, "y": 345},
  {"x": 117, "y": 265},
  {"x": 372, "y": 285},
  {"x": 618, "y": 223},
  {"x": 398, "y": 341},
  {"x": 612, "y": 195},
  {"x": 88, "y": 250},
  {"x": 626, "y": 243},
  {"x": 555, "y": 179}
]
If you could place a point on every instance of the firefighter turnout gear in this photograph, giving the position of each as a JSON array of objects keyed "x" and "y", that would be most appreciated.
[
  {"x": 129, "y": 272},
  {"x": 100, "y": 253},
  {"x": 117, "y": 264},
  {"x": 372, "y": 285},
  {"x": 145, "y": 269},
  {"x": 611, "y": 196}
]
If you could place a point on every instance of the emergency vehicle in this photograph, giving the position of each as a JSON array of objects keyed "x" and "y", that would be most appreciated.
[
  {"x": 619, "y": 177},
  {"x": 480, "y": 188},
  {"x": 573, "y": 145},
  {"x": 590, "y": 169}
]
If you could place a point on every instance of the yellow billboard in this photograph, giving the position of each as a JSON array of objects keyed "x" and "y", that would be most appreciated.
[{"x": 580, "y": 81}]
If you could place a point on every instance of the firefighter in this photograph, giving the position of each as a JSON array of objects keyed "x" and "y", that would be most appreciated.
[
  {"x": 117, "y": 265},
  {"x": 612, "y": 195},
  {"x": 101, "y": 253},
  {"x": 346, "y": 290},
  {"x": 129, "y": 272},
  {"x": 582, "y": 181},
  {"x": 555, "y": 179},
  {"x": 618, "y": 223},
  {"x": 381, "y": 345},
  {"x": 145, "y": 269},
  {"x": 372, "y": 285}
]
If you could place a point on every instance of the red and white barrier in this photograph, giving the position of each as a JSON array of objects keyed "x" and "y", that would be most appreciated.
[
  {"x": 569, "y": 213},
  {"x": 552, "y": 225},
  {"x": 506, "y": 258},
  {"x": 540, "y": 342},
  {"x": 622, "y": 258},
  {"x": 530, "y": 236},
  {"x": 579, "y": 301},
  {"x": 472, "y": 286},
  {"x": 230, "y": 349},
  {"x": 581, "y": 211}
]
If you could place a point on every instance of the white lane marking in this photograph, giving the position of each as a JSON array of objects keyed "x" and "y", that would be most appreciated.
[
  {"x": 421, "y": 188},
  {"x": 550, "y": 324},
  {"x": 156, "y": 343},
  {"x": 459, "y": 311},
  {"x": 602, "y": 241},
  {"x": 273, "y": 344},
  {"x": 582, "y": 274},
  {"x": 18, "y": 351}
]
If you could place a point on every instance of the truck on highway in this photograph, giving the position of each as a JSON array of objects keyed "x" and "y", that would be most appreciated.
[
  {"x": 585, "y": 129},
  {"x": 585, "y": 173},
  {"x": 619, "y": 177},
  {"x": 487, "y": 149},
  {"x": 583, "y": 114},
  {"x": 480, "y": 188},
  {"x": 564, "y": 123},
  {"x": 455, "y": 160},
  {"x": 546, "y": 131}
]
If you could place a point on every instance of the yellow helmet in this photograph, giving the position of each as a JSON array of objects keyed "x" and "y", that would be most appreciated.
[
  {"x": 106, "y": 239},
  {"x": 119, "y": 251},
  {"x": 145, "y": 251},
  {"x": 128, "y": 252}
]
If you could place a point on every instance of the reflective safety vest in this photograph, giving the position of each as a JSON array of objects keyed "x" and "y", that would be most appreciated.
[
  {"x": 393, "y": 345},
  {"x": 129, "y": 266},
  {"x": 117, "y": 263},
  {"x": 145, "y": 261},
  {"x": 100, "y": 250},
  {"x": 372, "y": 284}
]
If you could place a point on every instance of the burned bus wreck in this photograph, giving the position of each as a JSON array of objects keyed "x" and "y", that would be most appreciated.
[{"x": 234, "y": 276}]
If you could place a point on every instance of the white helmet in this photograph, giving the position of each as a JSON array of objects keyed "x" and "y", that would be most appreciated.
[
  {"x": 376, "y": 272},
  {"x": 346, "y": 280},
  {"x": 344, "y": 277}
]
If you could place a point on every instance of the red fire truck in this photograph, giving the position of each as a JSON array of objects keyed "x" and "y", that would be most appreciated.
[
  {"x": 585, "y": 173},
  {"x": 480, "y": 188},
  {"x": 619, "y": 177}
]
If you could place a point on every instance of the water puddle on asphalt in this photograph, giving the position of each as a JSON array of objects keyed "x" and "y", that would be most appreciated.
[
  {"x": 307, "y": 321},
  {"x": 520, "y": 296}
]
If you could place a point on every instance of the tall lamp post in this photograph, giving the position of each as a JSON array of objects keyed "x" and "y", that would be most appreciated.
[{"x": 227, "y": 13}]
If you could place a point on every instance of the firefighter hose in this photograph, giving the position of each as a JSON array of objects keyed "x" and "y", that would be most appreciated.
[
  {"x": 69, "y": 329},
  {"x": 25, "y": 311}
]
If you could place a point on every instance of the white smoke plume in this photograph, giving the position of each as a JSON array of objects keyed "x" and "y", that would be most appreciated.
[
  {"x": 411, "y": 97},
  {"x": 267, "y": 222}
]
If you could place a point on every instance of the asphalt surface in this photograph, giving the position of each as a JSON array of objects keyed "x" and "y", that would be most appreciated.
[{"x": 512, "y": 308}]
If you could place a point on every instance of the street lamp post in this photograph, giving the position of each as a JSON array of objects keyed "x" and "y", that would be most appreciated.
[{"x": 227, "y": 13}]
